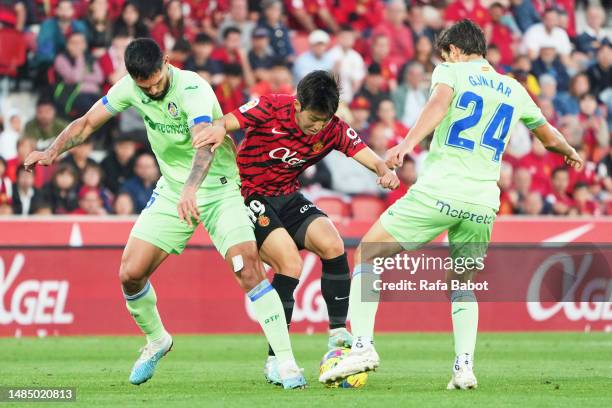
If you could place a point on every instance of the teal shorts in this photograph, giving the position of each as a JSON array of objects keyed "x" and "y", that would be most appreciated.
[
  {"x": 223, "y": 215},
  {"x": 418, "y": 218}
]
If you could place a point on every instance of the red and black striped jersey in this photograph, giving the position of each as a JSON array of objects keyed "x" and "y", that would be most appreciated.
[{"x": 275, "y": 151}]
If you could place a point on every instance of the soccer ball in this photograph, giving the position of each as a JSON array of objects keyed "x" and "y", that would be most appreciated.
[{"x": 329, "y": 361}]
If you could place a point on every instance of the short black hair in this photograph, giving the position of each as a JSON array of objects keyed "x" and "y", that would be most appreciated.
[
  {"x": 202, "y": 38},
  {"x": 465, "y": 35},
  {"x": 232, "y": 69},
  {"x": 229, "y": 30},
  {"x": 319, "y": 91},
  {"x": 558, "y": 170},
  {"x": 143, "y": 58}
]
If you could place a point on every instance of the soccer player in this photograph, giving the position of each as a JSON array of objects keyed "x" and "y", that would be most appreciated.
[
  {"x": 287, "y": 134},
  {"x": 472, "y": 108},
  {"x": 196, "y": 185}
]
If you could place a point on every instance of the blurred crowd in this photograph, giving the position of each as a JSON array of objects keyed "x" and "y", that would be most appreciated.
[{"x": 382, "y": 52}]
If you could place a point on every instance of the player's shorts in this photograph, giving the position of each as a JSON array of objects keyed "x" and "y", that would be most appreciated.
[
  {"x": 418, "y": 218},
  {"x": 292, "y": 212},
  {"x": 224, "y": 216}
]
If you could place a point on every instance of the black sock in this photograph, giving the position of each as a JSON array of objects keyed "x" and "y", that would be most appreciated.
[
  {"x": 335, "y": 288},
  {"x": 284, "y": 285}
]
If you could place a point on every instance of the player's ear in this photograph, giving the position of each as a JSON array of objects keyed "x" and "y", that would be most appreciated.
[
  {"x": 166, "y": 59},
  {"x": 297, "y": 105}
]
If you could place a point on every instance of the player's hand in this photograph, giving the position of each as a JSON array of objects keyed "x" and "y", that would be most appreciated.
[
  {"x": 36, "y": 157},
  {"x": 211, "y": 135},
  {"x": 389, "y": 180},
  {"x": 188, "y": 207},
  {"x": 574, "y": 160},
  {"x": 395, "y": 155}
]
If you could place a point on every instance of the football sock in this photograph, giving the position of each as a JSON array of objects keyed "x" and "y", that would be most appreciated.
[
  {"x": 335, "y": 288},
  {"x": 269, "y": 312},
  {"x": 285, "y": 286},
  {"x": 363, "y": 301},
  {"x": 143, "y": 308},
  {"x": 465, "y": 320}
]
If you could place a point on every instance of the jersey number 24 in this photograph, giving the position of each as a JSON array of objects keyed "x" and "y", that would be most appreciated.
[{"x": 491, "y": 138}]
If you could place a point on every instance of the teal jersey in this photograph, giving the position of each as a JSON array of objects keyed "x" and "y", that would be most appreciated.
[
  {"x": 189, "y": 101},
  {"x": 465, "y": 155}
]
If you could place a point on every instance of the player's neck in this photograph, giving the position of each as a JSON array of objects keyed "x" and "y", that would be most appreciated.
[{"x": 469, "y": 58}]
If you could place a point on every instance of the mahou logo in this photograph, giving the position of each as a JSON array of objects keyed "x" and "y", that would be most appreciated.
[
  {"x": 31, "y": 301},
  {"x": 587, "y": 297},
  {"x": 309, "y": 303}
]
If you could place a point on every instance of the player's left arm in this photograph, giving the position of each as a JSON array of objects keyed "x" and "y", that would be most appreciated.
[
  {"x": 434, "y": 111},
  {"x": 386, "y": 177}
]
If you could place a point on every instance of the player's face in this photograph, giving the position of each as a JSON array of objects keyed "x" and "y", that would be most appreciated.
[
  {"x": 157, "y": 85},
  {"x": 308, "y": 121}
]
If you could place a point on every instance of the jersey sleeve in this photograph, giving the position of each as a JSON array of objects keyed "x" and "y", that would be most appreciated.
[
  {"x": 255, "y": 112},
  {"x": 199, "y": 100},
  {"x": 118, "y": 97},
  {"x": 443, "y": 74},
  {"x": 531, "y": 115},
  {"x": 347, "y": 139}
]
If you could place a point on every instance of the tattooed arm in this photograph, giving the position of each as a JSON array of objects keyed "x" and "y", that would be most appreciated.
[
  {"x": 73, "y": 135},
  {"x": 202, "y": 160}
]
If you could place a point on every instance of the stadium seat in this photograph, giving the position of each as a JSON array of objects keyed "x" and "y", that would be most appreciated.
[
  {"x": 367, "y": 207},
  {"x": 335, "y": 207},
  {"x": 12, "y": 51}
]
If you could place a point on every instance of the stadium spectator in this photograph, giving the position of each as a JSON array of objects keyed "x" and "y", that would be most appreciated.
[
  {"x": 99, "y": 27},
  {"x": 373, "y": 88},
  {"x": 317, "y": 176},
  {"x": 25, "y": 145},
  {"x": 378, "y": 138},
  {"x": 507, "y": 196},
  {"x": 168, "y": 30},
  {"x": 466, "y": 9},
  {"x": 559, "y": 199},
  {"x": 534, "y": 204},
  {"x": 111, "y": 63},
  {"x": 595, "y": 134},
  {"x": 13, "y": 14},
  {"x": 231, "y": 53},
  {"x": 141, "y": 185},
  {"x": 348, "y": 177},
  {"x": 359, "y": 14},
  {"x": 522, "y": 184},
  {"x": 401, "y": 43},
  {"x": 360, "y": 112},
  {"x": 392, "y": 128},
  {"x": 231, "y": 92},
  {"x": 277, "y": 80},
  {"x": 130, "y": 22},
  {"x": 595, "y": 33},
  {"x": 411, "y": 95},
  {"x": 567, "y": 103},
  {"x": 540, "y": 163},
  {"x": 600, "y": 73},
  {"x": 585, "y": 203},
  {"x": 524, "y": 14},
  {"x": 315, "y": 58},
  {"x": 79, "y": 157},
  {"x": 6, "y": 185},
  {"x": 418, "y": 25},
  {"x": 201, "y": 62},
  {"x": 123, "y": 205},
  {"x": 347, "y": 64},
  {"x": 549, "y": 62},
  {"x": 118, "y": 165},
  {"x": 494, "y": 58},
  {"x": 500, "y": 35},
  {"x": 278, "y": 33},
  {"x": 80, "y": 75},
  {"x": 93, "y": 177},
  {"x": 46, "y": 125},
  {"x": 54, "y": 33},
  {"x": 424, "y": 55},
  {"x": 26, "y": 197},
  {"x": 311, "y": 14},
  {"x": 380, "y": 54},
  {"x": 61, "y": 191},
  {"x": 549, "y": 34},
  {"x": 260, "y": 55},
  {"x": 238, "y": 16},
  {"x": 521, "y": 71},
  {"x": 10, "y": 135},
  {"x": 90, "y": 202}
]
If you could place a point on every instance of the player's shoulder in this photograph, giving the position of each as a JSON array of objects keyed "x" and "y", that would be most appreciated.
[
  {"x": 280, "y": 99},
  {"x": 190, "y": 81}
]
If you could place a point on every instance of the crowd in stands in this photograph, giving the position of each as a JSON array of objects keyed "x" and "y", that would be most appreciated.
[{"x": 382, "y": 51}]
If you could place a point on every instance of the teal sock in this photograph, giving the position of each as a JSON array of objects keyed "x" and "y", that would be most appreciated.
[
  {"x": 271, "y": 316},
  {"x": 363, "y": 301},
  {"x": 465, "y": 321},
  {"x": 143, "y": 308}
]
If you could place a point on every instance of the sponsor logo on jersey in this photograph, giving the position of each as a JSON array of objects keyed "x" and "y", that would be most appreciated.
[
  {"x": 191, "y": 87},
  {"x": 263, "y": 220},
  {"x": 249, "y": 105},
  {"x": 317, "y": 147},
  {"x": 276, "y": 132},
  {"x": 306, "y": 208},
  {"x": 286, "y": 156},
  {"x": 173, "y": 110},
  {"x": 167, "y": 128}
]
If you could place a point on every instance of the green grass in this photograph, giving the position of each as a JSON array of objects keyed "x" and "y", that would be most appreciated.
[{"x": 514, "y": 370}]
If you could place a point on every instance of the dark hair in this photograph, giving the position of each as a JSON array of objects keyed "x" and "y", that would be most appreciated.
[
  {"x": 557, "y": 170},
  {"x": 143, "y": 57},
  {"x": 233, "y": 70},
  {"x": 465, "y": 35},
  {"x": 229, "y": 30},
  {"x": 551, "y": 10},
  {"x": 202, "y": 38},
  {"x": 319, "y": 91}
]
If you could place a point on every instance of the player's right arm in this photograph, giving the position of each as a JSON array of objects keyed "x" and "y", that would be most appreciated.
[{"x": 74, "y": 134}]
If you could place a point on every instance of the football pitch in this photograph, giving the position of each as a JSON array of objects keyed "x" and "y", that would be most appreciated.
[{"x": 518, "y": 369}]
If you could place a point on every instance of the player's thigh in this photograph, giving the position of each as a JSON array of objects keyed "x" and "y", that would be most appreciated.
[
  {"x": 243, "y": 260},
  {"x": 415, "y": 219},
  {"x": 323, "y": 238},
  {"x": 281, "y": 253},
  {"x": 139, "y": 260},
  {"x": 377, "y": 242},
  {"x": 159, "y": 225}
]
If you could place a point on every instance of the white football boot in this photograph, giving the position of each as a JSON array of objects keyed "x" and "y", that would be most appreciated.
[{"x": 463, "y": 373}]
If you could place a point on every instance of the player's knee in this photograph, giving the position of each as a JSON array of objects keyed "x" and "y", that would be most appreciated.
[
  {"x": 357, "y": 256},
  {"x": 332, "y": 248},
  {"x": 129, "y": 273},
  {"x": 291, "y": 266},
  {"x": 250, "y": 277}
]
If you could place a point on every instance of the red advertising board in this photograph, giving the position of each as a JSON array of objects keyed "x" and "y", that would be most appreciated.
[{"x": 60, "y": 277}]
